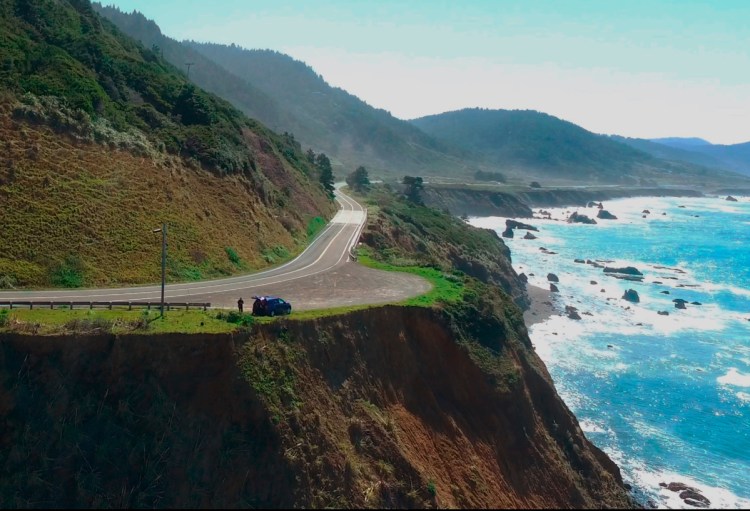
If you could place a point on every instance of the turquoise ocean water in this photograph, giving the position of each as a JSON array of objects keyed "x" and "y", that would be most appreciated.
[{"x": 667, "y": 397}]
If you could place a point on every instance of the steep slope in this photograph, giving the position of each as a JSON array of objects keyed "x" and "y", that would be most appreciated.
[
  {"x": 203, "y": 71},
  {"x": 335, "y": 121},
  {"x": 390, "y": 407},
  {"x": 289, "y": 96},
  {"x": 104, "y": 140},
  {"x": 525, "y": 142}
]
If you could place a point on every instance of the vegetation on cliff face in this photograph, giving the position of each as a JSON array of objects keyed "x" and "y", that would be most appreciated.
[
  {"x": 395, "y": 406},
  {"x": 104, "y": 140},
  {"x": 402, "y": 233},
  {"x": 389, "y": 407}
]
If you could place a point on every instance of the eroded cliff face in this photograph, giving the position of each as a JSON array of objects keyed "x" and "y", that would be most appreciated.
[{"x": 387, "y": 407}]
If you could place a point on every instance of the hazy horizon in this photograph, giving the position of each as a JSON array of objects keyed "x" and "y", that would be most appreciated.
[{"x": 643, "y": 69}]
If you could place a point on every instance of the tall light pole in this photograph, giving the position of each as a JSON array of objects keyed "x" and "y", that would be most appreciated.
[{"x": 163, "y": 232}]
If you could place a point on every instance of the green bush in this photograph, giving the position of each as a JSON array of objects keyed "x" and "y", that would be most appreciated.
[
  {"x": 314, "y": 226},
  {"x": 233, "y": 256},
  {"x": 68, "y": 273}
]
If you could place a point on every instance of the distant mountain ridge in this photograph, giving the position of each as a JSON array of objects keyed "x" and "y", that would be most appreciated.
[
  {"x": 527, "y": 141},
  {"x": 733, "y": 157},
  {"x": 681, "y": 142},
  {"x": 290, "y": 96}
]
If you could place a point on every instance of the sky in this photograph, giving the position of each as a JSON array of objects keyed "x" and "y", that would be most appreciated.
[{"x": 647, "y": 69}]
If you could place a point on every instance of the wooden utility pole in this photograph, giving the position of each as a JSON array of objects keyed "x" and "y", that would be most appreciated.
[{"x": 188, "y": 64}]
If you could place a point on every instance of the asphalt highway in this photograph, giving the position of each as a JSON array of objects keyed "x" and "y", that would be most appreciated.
[{"x": 324, "y": 275}]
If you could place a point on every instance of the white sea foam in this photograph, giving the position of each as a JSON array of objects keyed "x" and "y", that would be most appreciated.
[
  {"x": 591, "y": 426},
  {"x": 743, "y": 396},
  {"x": 735, "y": 378},
  {"x": 647, "y": 480}
]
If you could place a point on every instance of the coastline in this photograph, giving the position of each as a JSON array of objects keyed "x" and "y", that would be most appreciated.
[
  {"x": 652, "y": 487},
  {"x": 541, "y": 306}
]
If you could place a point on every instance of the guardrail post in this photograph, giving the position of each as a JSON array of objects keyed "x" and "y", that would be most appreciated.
[
  {"x": 148, "y": 306},
  {"x": 168, "y": 307},
  {"x": 71, "y": 305},
  {"x": 91, "y": 305},
  {"x": 31, "y": 305},
  {"x": 11, "y": 305},
  {"x": 130, "y": 306},
  {"x": 110, "y": 305},
  {"x": 205, "y": 306},
  {"x": 187, "y": 306},
  {"x": 51, "y": 305}
]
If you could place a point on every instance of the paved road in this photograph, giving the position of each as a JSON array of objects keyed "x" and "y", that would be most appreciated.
[{"x": 322, "y": 276}]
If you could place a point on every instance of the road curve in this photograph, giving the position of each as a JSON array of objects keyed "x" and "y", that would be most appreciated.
[{"x": 323, "y": 275}]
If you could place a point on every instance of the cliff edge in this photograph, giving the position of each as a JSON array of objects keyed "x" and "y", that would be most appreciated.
[{"x": 386, "y": 407}]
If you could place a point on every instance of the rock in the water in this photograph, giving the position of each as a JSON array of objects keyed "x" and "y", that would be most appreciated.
[
  {"x": 692, "y": 494},
  {"x": 731, "y": 199},
  {"x": 572, "y": 312},
  {"x": 553, "y": 288},
  {"x": 508, "y": 233},
  {"x": 663, "y": 313},
  {"x": 552, "y": 277},
  {"x": 580, "y": 219},
  {"x": 631, "y": 295},
  {"x": 593, "y": 282},
  {"x": 696, "y": 303},
  {"x": 523, "y": 277},
  {"x": 680, "y": 305},
  {"x": 677, "y": 487},
  {"x": 626, "y": 270},
  {"x": 579, "y": 261},
  {"x": 605, "y": 215},
  {"x": 694, "y": 503},
  {"x": 664, "y": 292},
  {"x": 645, "y": 211},
  {"x": 519, "y": 225},
  {"x": 529, "y": 236}
]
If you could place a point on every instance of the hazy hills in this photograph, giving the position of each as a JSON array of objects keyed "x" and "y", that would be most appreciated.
[
  {"x": 103, "y": 140},
  {"x": 735, "y": 157},
  {"x": 530, "y": 142},
  {"x": 290, "y": 96}
]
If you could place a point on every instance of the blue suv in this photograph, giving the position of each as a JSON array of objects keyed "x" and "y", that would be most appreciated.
[{"x": 270, "y": 306}]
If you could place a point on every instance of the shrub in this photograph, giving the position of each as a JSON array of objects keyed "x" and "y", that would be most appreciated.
[
  {"x": 68, "y": 273},
  {"x": 233, "y": 257}
]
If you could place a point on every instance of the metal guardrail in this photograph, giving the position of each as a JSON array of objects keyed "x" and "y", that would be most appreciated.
[{"x": 108, "y": 305}]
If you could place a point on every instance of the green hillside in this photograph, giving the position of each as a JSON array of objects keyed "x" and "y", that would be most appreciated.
[
  {"x": 203, "y": 71},
  {"x": 289, "y": 96},
  {"x": 526, "y": 142},
  {"x": 337, "y": 122},
  {"x": 103, "y": 139}
]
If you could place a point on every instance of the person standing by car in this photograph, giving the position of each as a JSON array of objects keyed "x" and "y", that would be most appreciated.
[{"x": 240, "y": 303}]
